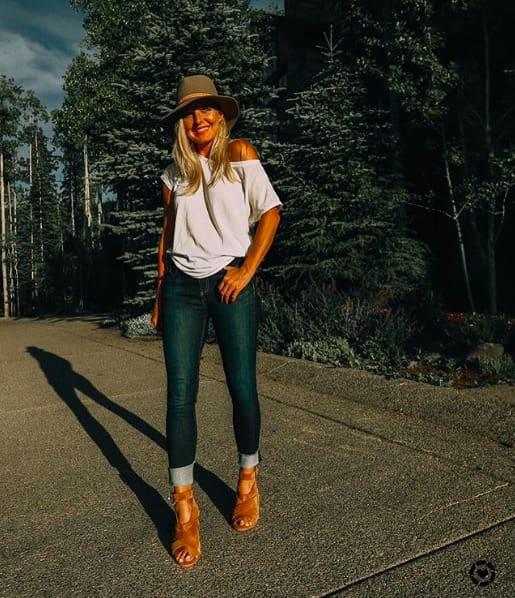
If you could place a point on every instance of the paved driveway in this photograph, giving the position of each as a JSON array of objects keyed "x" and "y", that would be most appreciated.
[{"x": 370, "y": 487}]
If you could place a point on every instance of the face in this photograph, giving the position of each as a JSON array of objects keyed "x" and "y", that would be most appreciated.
[{"x": 201, "y": 122}]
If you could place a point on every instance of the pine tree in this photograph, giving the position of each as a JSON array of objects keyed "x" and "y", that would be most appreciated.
[
  {"x": 11, "y": 104},
  {"x": 339, "y": 221},
  {"x": 165, "y": 41},
  {"x": 32, "y": 257}
]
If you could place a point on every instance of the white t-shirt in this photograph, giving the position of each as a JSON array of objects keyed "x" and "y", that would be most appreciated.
[{"x": 212, "y": 225}]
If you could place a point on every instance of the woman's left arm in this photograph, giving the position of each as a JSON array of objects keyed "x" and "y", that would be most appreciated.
[{"x": 237, "y": 279}]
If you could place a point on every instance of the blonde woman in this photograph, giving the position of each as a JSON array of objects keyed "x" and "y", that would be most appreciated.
[{"x": 215, "y": 192}]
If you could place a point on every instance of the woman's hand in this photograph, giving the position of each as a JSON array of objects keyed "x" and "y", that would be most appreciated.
[
  {"x": 155, "y": 320},
  {"x": 156, "y": 311},
  {"x": 234, "y": 282},
  {"x": 237, "y": 279}
]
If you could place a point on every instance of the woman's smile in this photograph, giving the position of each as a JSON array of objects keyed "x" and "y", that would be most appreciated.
[{"x": 202, "y": 129}]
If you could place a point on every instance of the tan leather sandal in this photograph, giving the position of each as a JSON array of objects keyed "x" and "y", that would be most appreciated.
[
  {"x": 187, "y": 535},
  {"x": 247, "y": 505}
]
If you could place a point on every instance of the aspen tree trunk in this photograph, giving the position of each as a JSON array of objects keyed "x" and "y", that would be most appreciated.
[
  {"x": 33, "y": 272},
  {"x": 40, "y": 199},
  {"x": 33, "y": 277},
  {"x": 61, "y": 249},
  {"x": 11, "y": 252},
  {"x": 457, "y": 224},
  {"x": 87, "y": 196},
  {"x": 72, "y": 209},
  {"x": 15, "y": 253},
  {"x": 60, "y": 225},
  {"x": 87, "y": 224},
  {"x": 100, "y": 211},
  {"x": 3, "y": 240}
]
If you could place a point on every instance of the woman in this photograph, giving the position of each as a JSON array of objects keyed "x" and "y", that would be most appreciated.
[{"x": 214, "y": 192}]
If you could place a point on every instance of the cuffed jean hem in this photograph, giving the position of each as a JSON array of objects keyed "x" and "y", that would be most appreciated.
[
  {"x": 249, "y": 460},
  {"x": 181, "y": 476}
]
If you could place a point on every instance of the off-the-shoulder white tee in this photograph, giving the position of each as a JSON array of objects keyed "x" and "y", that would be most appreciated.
[{"x": 213, "y": 225}]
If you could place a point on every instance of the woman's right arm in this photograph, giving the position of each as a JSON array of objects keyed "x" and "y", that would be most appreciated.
[{"x": 165, "y": 242}]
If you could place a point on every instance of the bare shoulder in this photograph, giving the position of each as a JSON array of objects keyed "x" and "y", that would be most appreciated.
[{"x": 241, "y": 150}]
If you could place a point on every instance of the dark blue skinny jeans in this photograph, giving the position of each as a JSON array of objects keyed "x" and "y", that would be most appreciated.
[{"x": 187, "y": 304}]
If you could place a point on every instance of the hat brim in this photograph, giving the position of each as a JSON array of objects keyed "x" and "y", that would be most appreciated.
[{"x": 228, "y": 106}]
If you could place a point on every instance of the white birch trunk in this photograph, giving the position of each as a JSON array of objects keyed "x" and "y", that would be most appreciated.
[
  {"x": 60, "y": 225},
  {"x": 100, "y": 211},
  {"x": 33, "y": 278},
  {"x": 72, "y": 209},
  {"x": 11, "y": 252},
  {"x": 461, "y": 243},
  {"x": 3, "y": 241},
  {"x": 40, "y": 199},
  {"x": 15, "y": 253},
  {"x": 87, "y": 196}
]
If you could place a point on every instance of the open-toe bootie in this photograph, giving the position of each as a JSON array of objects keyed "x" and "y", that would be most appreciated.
[
  {"x": 187, "y": 535},
  {"x": 246, "y": 512}
]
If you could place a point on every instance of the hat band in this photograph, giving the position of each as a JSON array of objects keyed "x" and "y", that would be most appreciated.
[{"x": 192, "y": 96}]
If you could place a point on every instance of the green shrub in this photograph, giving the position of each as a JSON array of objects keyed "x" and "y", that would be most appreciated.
[
  {"x": 279, "y": 320},
  {"x": 470, "y": 330},
  {"x": 488, "y": 365},
  {"x": 323, "y": 324},
  {"x": 507, "y": 371},
  {"x": 499, "y": 367},
  {"x": 138, "y": 326},
  {"x": 334, "y": 350}
]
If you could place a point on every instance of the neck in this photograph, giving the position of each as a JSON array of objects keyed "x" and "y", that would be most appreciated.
[{"x": 204, "y": 150}]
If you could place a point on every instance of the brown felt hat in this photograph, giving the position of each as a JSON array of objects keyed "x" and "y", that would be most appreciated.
[{"x": 200, "y": 87}]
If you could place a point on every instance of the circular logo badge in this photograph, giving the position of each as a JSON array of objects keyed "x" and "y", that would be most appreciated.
[{"x": 482, "y": 573}]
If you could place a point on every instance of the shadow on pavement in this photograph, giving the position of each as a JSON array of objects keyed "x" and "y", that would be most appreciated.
[{"x": 66, "y": 382}]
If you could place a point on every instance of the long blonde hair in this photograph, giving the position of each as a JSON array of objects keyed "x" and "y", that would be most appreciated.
[{"x": 187, "y": 159}]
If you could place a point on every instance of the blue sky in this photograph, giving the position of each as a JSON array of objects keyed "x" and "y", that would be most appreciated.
[{"x": 39, "y": 38}]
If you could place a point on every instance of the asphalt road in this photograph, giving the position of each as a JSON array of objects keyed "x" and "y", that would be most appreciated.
[{"x": 370, "y": 487}]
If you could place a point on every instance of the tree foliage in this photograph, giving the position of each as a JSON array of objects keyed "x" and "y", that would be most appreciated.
[
  {"x": 340, "y": 215},
  {"x": 119, "y": 90},
  {"x": 404, "y": 136},
  {"x": 33, "y": 214}
]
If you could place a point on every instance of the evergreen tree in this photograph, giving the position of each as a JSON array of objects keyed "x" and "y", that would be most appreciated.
[
  {"x": 10, "y": 111},
  {"x": 444, "y": 71},
  {"x": 45, "y": 224},
  {"x": 475, "y": 142},
  {"x": 31, "y": 210},
  {"x": 165, "y": 41},
  {"x": 339, "y": 220}
]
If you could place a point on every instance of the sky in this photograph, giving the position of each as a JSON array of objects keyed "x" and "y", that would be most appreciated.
[{"x": 39, "y": 38}]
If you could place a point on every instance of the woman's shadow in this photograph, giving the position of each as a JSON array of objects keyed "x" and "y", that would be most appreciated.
[{"x": 66, "y": 382}]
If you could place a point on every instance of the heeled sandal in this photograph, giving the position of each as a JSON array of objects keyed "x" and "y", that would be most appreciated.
[
  {"x": 187, "y": 535},
  {"x": 247, "y": 505}
]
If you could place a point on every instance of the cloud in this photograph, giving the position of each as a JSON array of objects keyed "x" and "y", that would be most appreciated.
[
  {"x": 37, "y": 43},
  {"x": 67, "y": 29},
  {"x": 38, "y": 40},
  {"x": 52, "y": 20},
  {"x": 31, "y": 64}
]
